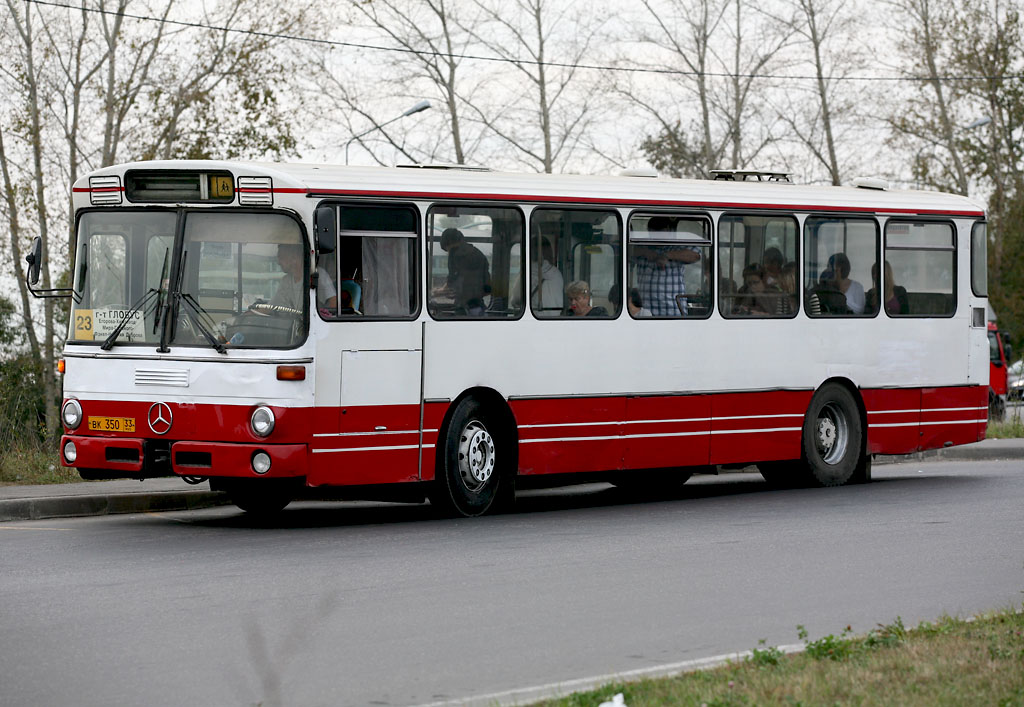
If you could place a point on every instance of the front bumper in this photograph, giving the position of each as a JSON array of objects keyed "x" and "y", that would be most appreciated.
[{"x": 109, "y": 457}]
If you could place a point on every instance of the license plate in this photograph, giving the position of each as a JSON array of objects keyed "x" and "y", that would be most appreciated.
[{"x": 112, "y": 424}]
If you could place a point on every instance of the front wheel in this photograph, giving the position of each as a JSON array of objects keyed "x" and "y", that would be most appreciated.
[
  {"x": 472, "y": 472},
  {"x": 833, "y": 438}
]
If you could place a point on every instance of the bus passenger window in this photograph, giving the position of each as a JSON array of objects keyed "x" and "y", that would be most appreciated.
[
  {"x": 373, "y": 271},
  {"x": 922, "y": 256},
  {"x": 476, "y": 256},
  {"x": 757, "y": 266},
  {"x": 579, "y": 250},
  {"x": 839, "y": 254},
  {"x": 669, "y": 266}
]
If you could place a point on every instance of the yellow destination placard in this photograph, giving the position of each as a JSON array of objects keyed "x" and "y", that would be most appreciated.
[{"x": 83, "y": 325}]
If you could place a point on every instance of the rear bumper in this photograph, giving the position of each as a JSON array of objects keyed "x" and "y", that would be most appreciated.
[{"x": 118, "y": 457}]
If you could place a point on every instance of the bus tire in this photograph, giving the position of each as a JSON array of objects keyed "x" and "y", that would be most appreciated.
[
  {"x": 256, "y": 496},
  {"x": 472, "y": 475},
  {"x": 833, "y": 439}
]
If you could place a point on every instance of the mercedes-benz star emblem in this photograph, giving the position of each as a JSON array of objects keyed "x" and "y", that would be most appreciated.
[{"x": 160, "y": 418}]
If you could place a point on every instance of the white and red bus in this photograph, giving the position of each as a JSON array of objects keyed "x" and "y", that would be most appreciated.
[{"x": 450, "y": 333}]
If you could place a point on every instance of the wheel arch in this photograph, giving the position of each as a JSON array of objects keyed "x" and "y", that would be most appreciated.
[
  {"x": 854, "y": 390},
  {"x": 862, "y": 474},
  {"x": 496, "y": 404}
]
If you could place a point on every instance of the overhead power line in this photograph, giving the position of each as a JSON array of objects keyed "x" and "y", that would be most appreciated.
[{"x": 504, "y": 60}]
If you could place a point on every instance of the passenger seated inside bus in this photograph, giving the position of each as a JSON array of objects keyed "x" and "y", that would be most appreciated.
[
  {"x": 788, "y": 302},
  {"x": 837, "y": 272},
  {"x": 773, "y": 261},
  {"x": 895, "y": 296},
  {"x": 547, "y": 287},
  {"x": 350, "y": 297},
  {"x": 635, "y": 305},
  {"x": 581, "y": 300},
  {"x": 755, "y": 297}
]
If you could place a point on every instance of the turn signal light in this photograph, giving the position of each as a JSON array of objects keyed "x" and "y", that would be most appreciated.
[
  {"x": 291, "y": 373},
  {"x": 60, "y": 366}
]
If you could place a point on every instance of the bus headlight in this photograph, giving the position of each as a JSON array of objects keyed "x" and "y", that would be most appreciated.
[
  {"x": 70, "y": 452},
  {"x": 71, "y": 414},
  {"x": 261, "y": 462},
  {"x": 262, "y": 421}
]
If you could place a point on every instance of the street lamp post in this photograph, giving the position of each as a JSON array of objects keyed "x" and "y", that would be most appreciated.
[{"x": 422, "y": 105}]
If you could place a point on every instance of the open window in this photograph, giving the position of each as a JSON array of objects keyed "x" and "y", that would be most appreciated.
[
  {"x": 372, "y": 272},
  {"x": 669, "y": 266}
]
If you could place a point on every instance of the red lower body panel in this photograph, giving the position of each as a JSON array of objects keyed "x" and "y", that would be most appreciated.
[{"x": 388, "y": 444}]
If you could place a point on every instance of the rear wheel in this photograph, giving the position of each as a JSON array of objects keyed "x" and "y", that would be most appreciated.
[
  {"x": 833, "y": 438},
  {"x": 472, "y": 473}
]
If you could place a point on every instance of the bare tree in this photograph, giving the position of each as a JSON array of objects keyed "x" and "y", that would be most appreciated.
[
  {"x": 716, "y": 58},
  {"x": 432, "y": 40},
  {"x": 928, "y": 118},
  {"x": 825, "y": 29},
  {"x": 29, "y": 71},
  {"x": 545, "y": 120}
]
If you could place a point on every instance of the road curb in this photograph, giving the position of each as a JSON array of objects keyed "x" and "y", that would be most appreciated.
[
  {"x": 107, "y": 504},
  {"x": 954, "y": 454}
]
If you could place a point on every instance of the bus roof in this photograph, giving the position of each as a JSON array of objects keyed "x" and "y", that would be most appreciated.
[{"x": 645, "y": 191}]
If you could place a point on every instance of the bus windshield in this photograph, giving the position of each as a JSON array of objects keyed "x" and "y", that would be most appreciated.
[{"x": 235, "y": 281}]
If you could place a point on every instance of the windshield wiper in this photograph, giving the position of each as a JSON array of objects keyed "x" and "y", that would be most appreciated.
[
  {"x": 108, "y": 343},
  {"x": 160, "y": 295},
  {"x": 198, "y": 321}
]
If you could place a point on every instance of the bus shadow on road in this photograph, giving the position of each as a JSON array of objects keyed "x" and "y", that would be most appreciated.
[{"x": 591, "y": 496}]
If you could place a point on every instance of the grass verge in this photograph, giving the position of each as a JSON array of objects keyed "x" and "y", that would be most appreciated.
[
  {"x": 950, "y": 662},
  {"x": 1011, "y": 427},
  {"x": 33, "y": 464}
]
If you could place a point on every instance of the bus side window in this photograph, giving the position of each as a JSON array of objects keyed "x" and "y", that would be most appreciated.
[
  {"x": 839, "y": 254},
  {"x": 373, "y": 270},
  {"x": 475, "y": 262},
  {"x": 587, "y": 249},
  {"x": 922, "y": 258},
  {"x": 669, "y": 266},
  {"x": 757, "y": 266}
]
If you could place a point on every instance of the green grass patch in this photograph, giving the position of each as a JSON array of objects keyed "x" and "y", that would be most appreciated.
[
  {"x": 32, "y": 463},
  {"x": 1013, "y": 426},
  {"x": 950, "y": 662}
]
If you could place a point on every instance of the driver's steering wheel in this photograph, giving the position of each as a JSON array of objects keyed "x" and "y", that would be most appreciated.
[{"x": 271, "y": 309}]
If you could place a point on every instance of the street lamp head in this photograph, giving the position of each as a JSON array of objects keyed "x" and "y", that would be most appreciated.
[
  {"x": 980, "y": 122},
  {"x": 422, "y": 105}
]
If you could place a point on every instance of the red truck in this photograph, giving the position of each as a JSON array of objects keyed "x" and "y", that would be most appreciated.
[{"x": 1000, "y": 354}]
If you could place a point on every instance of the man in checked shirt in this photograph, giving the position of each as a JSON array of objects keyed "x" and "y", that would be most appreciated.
[{"x": 660, "y": 270}]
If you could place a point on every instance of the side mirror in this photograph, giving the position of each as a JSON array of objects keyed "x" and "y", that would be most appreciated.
[
  {"x": 34, "y": 260},
  {"x": 325, "y": 229},
  {"x": 1008, "y": 351}
]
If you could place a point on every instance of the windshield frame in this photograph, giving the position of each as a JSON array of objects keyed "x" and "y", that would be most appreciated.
[{"x": 169, "y": 299}]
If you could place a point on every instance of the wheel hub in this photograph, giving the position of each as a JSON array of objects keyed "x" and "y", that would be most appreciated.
[
  {"x": 476, "y": 455},
  {"x": 833, "y": 433}
]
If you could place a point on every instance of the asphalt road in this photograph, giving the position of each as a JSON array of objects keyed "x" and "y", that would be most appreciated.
[{"x": 363, "y": 604}]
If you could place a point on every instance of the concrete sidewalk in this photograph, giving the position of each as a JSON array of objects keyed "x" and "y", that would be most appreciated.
[{"x": 93, "y": 498}]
